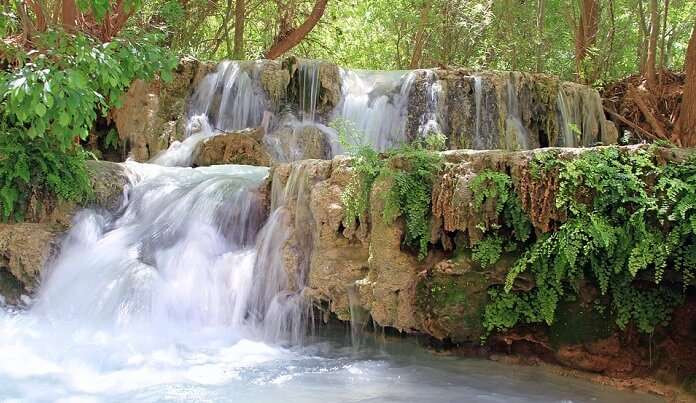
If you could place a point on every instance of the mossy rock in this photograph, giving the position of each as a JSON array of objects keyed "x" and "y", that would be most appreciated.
[{"x": 452, "y": 299}]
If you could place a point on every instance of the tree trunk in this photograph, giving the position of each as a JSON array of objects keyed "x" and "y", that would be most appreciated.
[
  {"x": 663, "y": 38},
  {"x": 69, "y": 15},
  {"x": 289, "y": 41},
  {"x": 540, "y": 36},
  {"x": 40, "y": 13},
  {"x": 686, "y": 125},
  {"x": 419, "y": 39},
  {"x": 644, "y": 38},
  {"x": 239, "y": 15},
  {"x": 226, "y": 27},
  {"x": 586, "y": 32},
  {"x": 650, "y": 73}
]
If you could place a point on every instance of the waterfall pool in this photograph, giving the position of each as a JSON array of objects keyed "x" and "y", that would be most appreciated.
[{"x": 44, "y": 360}]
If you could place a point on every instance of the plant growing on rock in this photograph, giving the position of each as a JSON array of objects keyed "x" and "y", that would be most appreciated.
[
  {"x": 411, "y": 169},
  {"x": 629, "y": 221},
  {"x": 509, "y": 229}
]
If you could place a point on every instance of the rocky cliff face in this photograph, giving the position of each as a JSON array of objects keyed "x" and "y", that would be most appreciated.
[
  {"x": 365, "y": 268},
  {"x": 153, "y": 113}
]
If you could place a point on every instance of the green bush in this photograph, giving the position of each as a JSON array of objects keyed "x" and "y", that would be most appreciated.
[{"x": 51, "y": 101}]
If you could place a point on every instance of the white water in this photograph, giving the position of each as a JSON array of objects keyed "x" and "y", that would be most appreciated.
[
  {"x": 377, "y": 105},
  {"x": 515, "y": 131},
  {"x": 431, "y": 121},
  {"x": 229, "y": 99}
]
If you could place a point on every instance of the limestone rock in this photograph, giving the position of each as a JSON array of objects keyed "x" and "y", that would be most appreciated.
[
  {"x": 152, "y": 113},
  {"x": 275, "y": 80},
  {"x": 244, "y": 147},
  {"x": 24, "y": 248},
  {"x": 108, "y": 181}
]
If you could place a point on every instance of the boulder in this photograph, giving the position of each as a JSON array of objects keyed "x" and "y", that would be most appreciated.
[{"x": 244, "y": 147}]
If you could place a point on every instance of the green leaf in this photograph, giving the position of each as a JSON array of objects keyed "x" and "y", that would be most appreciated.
[{"x": 40, "y": 109}]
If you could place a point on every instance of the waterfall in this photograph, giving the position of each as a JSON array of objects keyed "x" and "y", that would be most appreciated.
[
  {"x": 179, "y": 253},
  {"x": 515, "y": 132},
  {"x": 570, "y": 121},
  {"x": 376, "y": 103},
  {"x": 308, "y": 73},
  {"x": 478, "y": 95},
  {"x": 229, "y": 99},
  {"x": 431, "y": 121}
]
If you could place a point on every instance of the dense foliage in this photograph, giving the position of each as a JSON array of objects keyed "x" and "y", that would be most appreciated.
[
  {"x": 630, "y": 224},
  {"x": 50, "y": 101},
  {"x": 496, "y": 188},
  {"x": 500, "y": 34}
]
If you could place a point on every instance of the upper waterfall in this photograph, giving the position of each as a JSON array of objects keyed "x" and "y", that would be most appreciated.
[{"x": 295, "y": 101}]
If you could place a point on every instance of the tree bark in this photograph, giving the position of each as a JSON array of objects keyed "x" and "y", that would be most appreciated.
[
  {"x": 650, "y": 73},
  {"x": 40, "y": 13},
  {"x": 663, "y": 38},
  {"x": 239, "y": 15},
  {"x": 686, "y": 125},
  {"x": 69, "y": 15},
  {"x": 419, "y": 39},
  {"x": 289, "y": 41},
  {"x": 541, "y": 5},
  {"x": 586, "y": 32},
  {"x": 644, "y": 38}
]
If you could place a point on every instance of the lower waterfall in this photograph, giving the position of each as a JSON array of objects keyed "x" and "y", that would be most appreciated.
[{"x": 180, "y": 295}]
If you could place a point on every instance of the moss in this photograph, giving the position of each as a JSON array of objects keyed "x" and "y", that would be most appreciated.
[
  {"x": 578, "y": 324},
  {"x": 455, "y": 303}
]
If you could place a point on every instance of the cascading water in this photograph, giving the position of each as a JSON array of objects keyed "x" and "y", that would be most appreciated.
[
  {"x": 430, "y": 121},
  {"x": 229, "y": 99},
  {"x": 515, "y": 132},
  {"x": 478, "y": 96},
  {"x": 377, "y": 105},
  {"x": 308, "y": 73},
  {"x": 570, "y": 121}
]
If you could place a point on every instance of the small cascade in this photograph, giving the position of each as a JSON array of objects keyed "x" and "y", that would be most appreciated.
[
  {"x": 229, "y": 99},
  {"x": 232, "y": 97},
  {"x": 283, "y": 258},
  {"x": 516, "y": 134},
  {"x": 580, "y": 116},
  {"x": 359, "y": 317},
  {"x": 431, "y": 121},
  {"x": 297, "y": 140},
  {"x": 478, "y": 96},
  {"x": 308, "y": 80},
  {"x": 569, "y": 120},
  {"x": 179, "y": 253},
  {"x": 376, "y": 103}
]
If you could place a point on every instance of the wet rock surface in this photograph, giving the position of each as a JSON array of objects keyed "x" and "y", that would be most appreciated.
[{"x": 245, "y": 147}]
